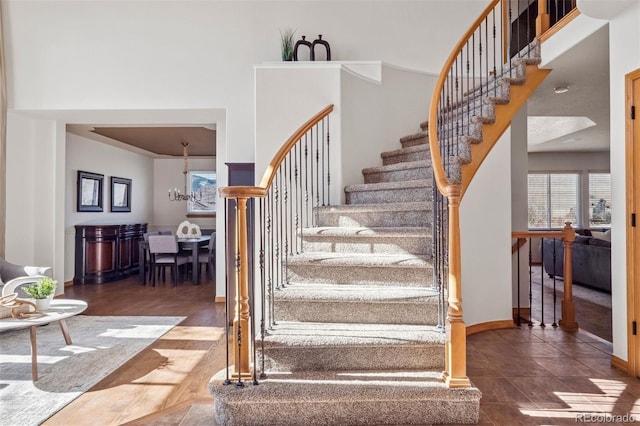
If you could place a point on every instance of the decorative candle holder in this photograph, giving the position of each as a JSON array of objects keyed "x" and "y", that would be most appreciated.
[
  {"x": 302, "y": 42},
  {"x": 321, "y": 42}
]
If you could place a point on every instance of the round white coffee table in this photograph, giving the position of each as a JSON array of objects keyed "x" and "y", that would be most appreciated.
[{"x": 59, "y": 310}]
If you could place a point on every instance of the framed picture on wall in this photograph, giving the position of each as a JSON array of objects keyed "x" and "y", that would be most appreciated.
[
  {"x": 203, "y": 185},
  {"x": 120, "y": 194},
  {"x": 89, "y": 191}
]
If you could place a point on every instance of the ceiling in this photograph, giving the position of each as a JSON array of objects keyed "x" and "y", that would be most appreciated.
[
  {"x": 577, "y": 120},
  {"x": 155, "y": 141}
]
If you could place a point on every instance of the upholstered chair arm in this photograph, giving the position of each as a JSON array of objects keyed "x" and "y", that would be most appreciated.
[{"x": 9, "y": 271}]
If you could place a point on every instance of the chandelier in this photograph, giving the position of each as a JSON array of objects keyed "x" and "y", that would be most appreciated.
[{"x": 175, "y": 194}]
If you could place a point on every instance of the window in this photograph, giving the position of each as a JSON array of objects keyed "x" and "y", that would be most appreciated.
[
  {"x": 599, "y": 200},
  {"x": 204, "y": 187},
  {"x": 553, "y": 199}
]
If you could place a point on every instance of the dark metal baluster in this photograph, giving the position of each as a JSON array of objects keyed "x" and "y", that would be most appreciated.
[
  {"x": 528, "y": 30},
  {"x": 281, "y": 227},
  {"x": 495, "y": 71},
  {"x": 469, "y": 93},
  {"x": 252, "y": 287},
  {"x": 480, "y": 62},
  {"x": 306, "y": 179},
  {"x": 227, "y": 380},
  {"x": 285, "y": 223},
  {"x": 272, "y": 259},
  {"x": 296, "y": 201},
  {"x": 509, "y": 39},
  {"x": 263, "y": 306},
  {"x": 486, "y": 58},
  {"x": 292, "y": 237},
  {"x": 318, "y": 142},
  {"x": 239, "y": 383},
  {"x": 313, "y": 215}
]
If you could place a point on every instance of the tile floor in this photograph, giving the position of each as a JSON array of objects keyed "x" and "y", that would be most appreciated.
[{"x": 545, "y": 376}]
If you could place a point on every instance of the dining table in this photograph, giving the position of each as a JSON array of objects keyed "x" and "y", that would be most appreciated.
[{"x": 188, "y": 244}]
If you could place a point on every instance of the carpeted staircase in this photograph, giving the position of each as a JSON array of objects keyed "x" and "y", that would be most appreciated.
[{"x": 356, "y": 340}]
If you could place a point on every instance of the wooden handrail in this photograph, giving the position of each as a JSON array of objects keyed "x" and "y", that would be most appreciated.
[
  {"x": 277, "y": 159},
  {"x": 260, "y": 191},
  {"x": 568, "y": 236},
  {"x": 518, "y": 245},
  {"x": 436, "y": 158}
]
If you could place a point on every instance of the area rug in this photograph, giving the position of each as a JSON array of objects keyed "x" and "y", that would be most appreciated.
[{"x": 100, "y": 345}]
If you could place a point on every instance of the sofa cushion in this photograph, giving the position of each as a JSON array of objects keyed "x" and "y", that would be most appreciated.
[
  {"x": 598, "y": 242},
  {"x": 581, "y": 239}
]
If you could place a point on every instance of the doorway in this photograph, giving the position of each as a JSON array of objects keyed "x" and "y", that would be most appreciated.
[{"x": 632, "y": 136}]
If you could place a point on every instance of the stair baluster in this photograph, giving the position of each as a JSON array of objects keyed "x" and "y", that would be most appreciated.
[{"x": 281, "y": 214}]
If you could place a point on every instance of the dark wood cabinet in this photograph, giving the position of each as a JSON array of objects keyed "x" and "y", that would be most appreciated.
[{"x": 107, "y": 253}]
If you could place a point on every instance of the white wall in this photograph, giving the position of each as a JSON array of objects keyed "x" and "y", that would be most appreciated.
[
  {"x": 624, "y": 56},
  {"x": 375, "y": 115},
  {"x": 167, "y": 174},
  {"x": 519, "y": 204},
  {"x": 91, "y": 156},
  {"x": 485, "y": 226},
  {"x": 141, "y": 59}
]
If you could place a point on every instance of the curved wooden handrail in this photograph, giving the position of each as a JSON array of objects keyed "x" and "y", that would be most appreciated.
[
  {"x": 436, "y": 157},
  {"x": 277, "y": 159},
  {"x": 260, "y": 191}
]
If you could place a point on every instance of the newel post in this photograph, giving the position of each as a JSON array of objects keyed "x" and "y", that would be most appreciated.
[
  {"x": 241, "y": 320},
  {"x": 542, "y": 21},
  {"x": 568, "y": 320},
  {"x": 455, "y": 374}
]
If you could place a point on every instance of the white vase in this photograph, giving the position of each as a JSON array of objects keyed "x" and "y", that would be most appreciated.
[{"x": 43, "y": 304}]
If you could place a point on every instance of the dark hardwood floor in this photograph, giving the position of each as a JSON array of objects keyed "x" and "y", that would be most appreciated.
[{"x": 528, "y": 376}]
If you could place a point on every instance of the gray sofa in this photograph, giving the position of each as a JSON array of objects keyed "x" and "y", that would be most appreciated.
[{"x": 591, "y": 258}]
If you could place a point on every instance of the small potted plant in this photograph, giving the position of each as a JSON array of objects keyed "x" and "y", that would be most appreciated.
[
  {"x": 42, "y": 291},
  {"x": 286, "y": 44}
]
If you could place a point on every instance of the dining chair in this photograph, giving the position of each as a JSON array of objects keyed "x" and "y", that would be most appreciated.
[
  {"x": 208, "y": 257},
  {"x": 147, "y": 259},
  {"x": 165, "y": 252}
]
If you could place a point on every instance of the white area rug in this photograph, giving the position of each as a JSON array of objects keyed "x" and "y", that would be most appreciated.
[{"x": 100, "y": 345}]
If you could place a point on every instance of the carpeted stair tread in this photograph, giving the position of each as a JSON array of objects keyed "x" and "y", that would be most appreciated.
[
  {"x": 395, "y": 191},
  {"x": 357, "y": 239},
  {"x": 415, "y": 213},
  {"x": 379, "y": 207},
  {"x": 421, "y": 138},
  {"x": 345, "y": 398},
  {"x": 403, "y": 151},
  {"x": 320, "y": 334},
  {"x": 349, "y": 303},
  {"x": 346, "y": 292},
  {"x": 365, "y": 232},
  {"x": 360, "y": 259},
  {"x": 381, "y": 186},
  {"x": 397, "y": 167}
]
